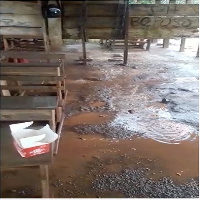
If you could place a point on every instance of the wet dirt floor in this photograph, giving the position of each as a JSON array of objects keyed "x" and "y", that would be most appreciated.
[{"x": 130, "y": 131}]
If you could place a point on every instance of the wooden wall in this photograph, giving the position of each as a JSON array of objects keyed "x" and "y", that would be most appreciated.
[
  {"x": 146, "y": 21},
  {"x": 21, "y": 19}
]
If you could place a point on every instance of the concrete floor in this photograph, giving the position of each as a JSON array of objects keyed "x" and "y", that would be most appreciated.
[{"x": 142, "y": 118}]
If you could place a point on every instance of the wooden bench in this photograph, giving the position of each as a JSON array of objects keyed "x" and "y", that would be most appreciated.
[
  {"x": 36, "y": 81},
  {"x": 33, "y": 70}
]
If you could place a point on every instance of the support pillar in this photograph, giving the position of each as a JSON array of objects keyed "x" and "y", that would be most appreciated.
[
  {"x": 55, "y": 31},
  {"x": 148, "y": 45},
  {"x": 182, "y": 46},
  {"x": 166, "y": 43},
  {"x": 197, "y": 52},
  {"x": 126, "y": 33}
]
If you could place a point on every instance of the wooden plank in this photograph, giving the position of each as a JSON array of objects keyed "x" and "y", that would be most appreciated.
[
  {"x": 17, "y": 7},
  {"x": 93, "y": 10},
  {"x": 29, "y": 102},
  {"x": 11, "y": 158},
  {"x": 21, "y": 31},
  {"x": 164, "y": 10},
  {"x": 20, "y": 20},
  {"x": 55, "y": 32},
  {"x": 162, "y": 33},
  {"x": 133, "y": 33},
  {"x": 39, "y": 88},
  {"x": 32, "y": 64},
  {"x": 11, "y": 36},
  {"x": 135, "y": 22},
  {"x": 136, "y": 10},
  {"x": 4, "y": 92},
  {"x": 31, "y": 78},
  {"x": 165, "y": 22},
  {"x": 92, "y": 22},
  {"x": 33, "y": 55},
  {"x": 91, "y": 33},
  {"x": 46, "y": 71},
  {"x": 44, "y": 173},
  {"x": 25, "y": 115}
]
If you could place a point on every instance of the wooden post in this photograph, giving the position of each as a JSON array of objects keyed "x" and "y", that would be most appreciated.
[
  {"x": 166, "y": 43},
  {"x": 148, "y": 45},
  {"x": 126, "y": 33},
  {"x": 197, "y": 52},
  {"x": 44, "y": 173},
  {"x": 83, "y": 31},
  {"x": 182, "y": 46},
  {"x": 5, "y": 44},
  {"x": 45, "y": 31},
  {"x": 55, "y": 31}
]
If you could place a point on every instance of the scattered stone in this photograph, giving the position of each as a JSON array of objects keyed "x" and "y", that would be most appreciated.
[
  {"x": 92, "y": 79},
  {"x": 114, "y": 60},
  {"x": 96, "y": 157},
  {"x": 134, "y": 149},
  {"x": 135, "y": 183},
  {"x": 102, "y": 115},
  {"x": 81, "y": 138},
  {"x": 117, "y": 55},
  {"x": 165, "y": 101},
  {"x": 179, "y": 174},
  {"x": 131, "y": 111}
]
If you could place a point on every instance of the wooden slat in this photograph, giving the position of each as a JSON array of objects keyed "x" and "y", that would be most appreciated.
[
  {"x": 20, "y": 20},
  {"x": 93, "y": 10},
  {"x": 164, "y": 22},
  {"x": 162, "y": 33},
  {"x": 25, "y": 115},
  {"x": 29, "y": 102},
  {"x": 19, "y": 31},
  {"x": 16, "y": 7},
  {"x": 146, "y": 21},
  {"x": 136, "y": 10},
  {"x": 55, "y": 32},
  {"x": 32, "y": 64},
  {"x": 38, "y": 88},
  {"x": 46, "y": 71},
  {"x": 31, "y": 78},
  {"x": 32, "y": 55},
  {"x": 164, "y": 10},
  {"x": 12, "y": 35},
  {"x": 133, "y": 33}
]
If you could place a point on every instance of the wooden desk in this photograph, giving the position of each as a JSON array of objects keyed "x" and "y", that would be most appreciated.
[{"x": 10, "y": 158}]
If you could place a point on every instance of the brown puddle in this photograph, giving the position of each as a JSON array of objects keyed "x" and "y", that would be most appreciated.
[{"x": 88, "y": 118}]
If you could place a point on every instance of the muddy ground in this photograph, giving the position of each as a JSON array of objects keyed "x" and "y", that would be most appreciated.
[{"x": 130, "y": 131}]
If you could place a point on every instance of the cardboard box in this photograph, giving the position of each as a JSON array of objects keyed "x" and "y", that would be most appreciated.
[{"x": 30, "y": 142}]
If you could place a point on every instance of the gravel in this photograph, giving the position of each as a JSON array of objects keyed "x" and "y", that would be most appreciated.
[
  {"x": 107, "y": 130},
  {"x": 134, "y": 183}
]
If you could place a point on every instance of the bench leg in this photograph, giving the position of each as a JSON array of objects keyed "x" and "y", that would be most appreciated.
[{"x": 44, "y": 173}]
